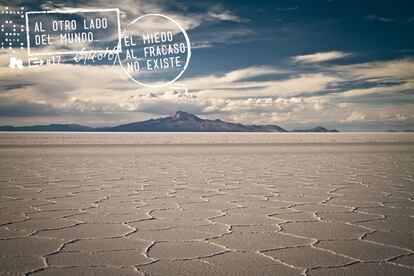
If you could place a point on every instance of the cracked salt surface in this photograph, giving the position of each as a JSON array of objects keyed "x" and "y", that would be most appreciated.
[{"x": 320, "y": 209}]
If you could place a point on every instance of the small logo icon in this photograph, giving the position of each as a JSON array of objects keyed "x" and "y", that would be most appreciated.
[
  {"x": 34, "y": 62},
  {"x": 16, "y": 63}
]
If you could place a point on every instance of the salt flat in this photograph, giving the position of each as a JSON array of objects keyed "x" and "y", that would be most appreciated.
[{"x": 206, "y": 204}]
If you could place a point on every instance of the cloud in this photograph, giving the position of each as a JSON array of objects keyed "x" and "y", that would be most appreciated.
[
  {"x": 254, "y": 71},
  {"x": 294, "y": 97},
  {"x": 356, "y": 116},
  {"x": 373, "y": 17},
  {"x": 131, "y": 9},
  {"x": 384, "y": 116},
  {"x": 65, "y": 95},
  {"x": 10, "y": 107},
  {"x": 187, "y": 17},
  {"x": 400, "y": 69},
  {"x": 236, "y": 79},
  {"x": 358, "y": 92},
  {"x": 229, "y": 35},
  {"x": 226, "y": 16},
  {"x": 320, "y": 57},
  {"x": 278, "y": 109},
  {"x": 382, "y": 77},
  {"x": 245, "y": 83},
  {"x": 293, "y": 8}
]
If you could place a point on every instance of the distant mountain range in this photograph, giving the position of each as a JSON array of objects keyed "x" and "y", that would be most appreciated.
[
  {"x": 406, "y": 130},
  {"x": 178, "y": 121}
]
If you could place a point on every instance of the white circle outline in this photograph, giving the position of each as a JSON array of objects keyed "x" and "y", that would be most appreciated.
[{"x": 187, "y": 39}]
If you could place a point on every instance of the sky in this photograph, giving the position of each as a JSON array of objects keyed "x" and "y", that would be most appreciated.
[{"x": 339, "y": 64}]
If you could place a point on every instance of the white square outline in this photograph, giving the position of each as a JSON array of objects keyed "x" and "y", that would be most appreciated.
[{"x": 119, "y": 49}]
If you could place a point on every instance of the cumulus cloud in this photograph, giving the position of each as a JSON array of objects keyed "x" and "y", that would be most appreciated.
[
  {"x": 320, "y": 57},
  {"x": 71, "y": 89},
  {"x": 172, "y": 99},
  {"x": 356, "y": 116},
  {"x": 266, "y": 110}
]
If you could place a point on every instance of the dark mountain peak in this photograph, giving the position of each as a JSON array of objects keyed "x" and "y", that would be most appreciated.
[
  {"x": 316, "y": 129},
  {"x": 184, "y": 116},
  {"x": 321, "y": 129}
]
